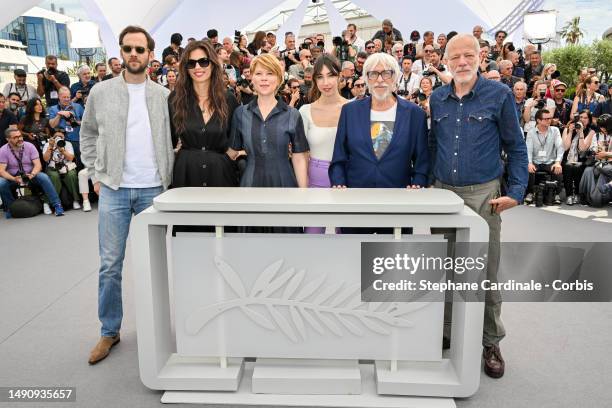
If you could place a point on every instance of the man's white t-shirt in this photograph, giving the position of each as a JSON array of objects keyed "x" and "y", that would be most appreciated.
[
  {"x": 382, "y": 124},
  {"x": 140, "y": 164}
]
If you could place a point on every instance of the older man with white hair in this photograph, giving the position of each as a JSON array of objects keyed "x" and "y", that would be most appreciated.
[
  {"x": 473, "y": 120},
  {"x": 381, "y": 139},
  {"x": 80, "y": 90}
]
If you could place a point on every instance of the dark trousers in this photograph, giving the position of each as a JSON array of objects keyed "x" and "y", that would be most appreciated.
[
  {"x": 572, "y": 174},
  {"x": 545, "y": 168}
]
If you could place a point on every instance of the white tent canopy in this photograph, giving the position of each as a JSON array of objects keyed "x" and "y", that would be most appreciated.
[{"x": 193, "y": 18}]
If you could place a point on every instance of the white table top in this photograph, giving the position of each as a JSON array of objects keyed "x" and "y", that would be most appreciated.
[{"x": 309, "y": 200}]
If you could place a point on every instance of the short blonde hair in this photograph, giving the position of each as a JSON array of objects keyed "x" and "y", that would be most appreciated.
[{"x": 270, "y": 63}]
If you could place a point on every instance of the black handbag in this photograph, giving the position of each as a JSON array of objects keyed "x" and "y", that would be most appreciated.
[{"x": 26, "y": 206}]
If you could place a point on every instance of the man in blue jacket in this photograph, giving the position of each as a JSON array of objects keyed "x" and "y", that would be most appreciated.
[
  {"x": 472, "y": 120},
  {"x": 381, "y": 140}
]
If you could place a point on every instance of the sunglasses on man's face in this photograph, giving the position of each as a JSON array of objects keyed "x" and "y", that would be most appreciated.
[
  {"x": 369, "y": 47},
  {"x": 202, "y": 62},
  {"x": 128, "y": 49},
  {"x": 358, "y": 85}
]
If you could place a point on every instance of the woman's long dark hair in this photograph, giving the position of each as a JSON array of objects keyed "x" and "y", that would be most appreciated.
[
  {"x": 28, "y": 118},
  {"x": 325, "y": 60},
  {"x": 184, "y": 96}
]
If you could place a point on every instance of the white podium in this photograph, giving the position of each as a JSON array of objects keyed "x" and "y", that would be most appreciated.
[{"x": 291, "y": 303}]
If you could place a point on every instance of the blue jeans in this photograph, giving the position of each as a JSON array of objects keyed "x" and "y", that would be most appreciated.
[
  {"x": 115, "y": 210},
  {"x": 41, "y": 180}
]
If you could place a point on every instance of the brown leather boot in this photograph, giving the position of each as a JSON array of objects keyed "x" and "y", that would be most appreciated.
[
  {"x": 102, "y": 349},
  {"x": 494, "y": 364}
]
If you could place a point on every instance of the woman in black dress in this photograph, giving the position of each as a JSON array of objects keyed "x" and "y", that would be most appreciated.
[{"x": 201, "y": 110}]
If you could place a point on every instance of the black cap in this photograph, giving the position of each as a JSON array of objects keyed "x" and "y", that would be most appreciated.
[{"x": 20, "y": 72}]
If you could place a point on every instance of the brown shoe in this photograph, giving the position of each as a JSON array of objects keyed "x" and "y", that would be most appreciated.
[
  {"x": 102, "y": 349},
  {"x": 494, "y": 364}
]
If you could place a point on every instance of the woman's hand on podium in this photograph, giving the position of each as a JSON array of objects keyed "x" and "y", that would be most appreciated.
[{"x": 339, "y": 187}]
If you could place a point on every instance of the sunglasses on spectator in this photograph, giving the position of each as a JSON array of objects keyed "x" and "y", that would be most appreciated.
[
  {"x": 547, "y": 118},
  {"x": 128, "y": 49},
  {"x": 295, "y": 87},
  {"x": 370, "y": 47},
  {"x": 358, "y": 85},
  {"x": 428, "y": 51},
  {"x": 386, "y": 74},
  {"x": 202, "y": 62},
  {"x": 595, "y": 82}
]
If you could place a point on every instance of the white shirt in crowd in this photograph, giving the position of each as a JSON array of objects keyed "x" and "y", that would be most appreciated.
[
  {"x": 550, "y": 105},
  {"x": 140, "y": 164},
  {"x": 408, "y": 83},
  {"x": 320, "y": 139},
  {"x": 56, "y": 156},
  {"x": 26, "y": 92}
]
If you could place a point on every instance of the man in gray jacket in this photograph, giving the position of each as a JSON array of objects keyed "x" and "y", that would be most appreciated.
[{"x": 126, "y": 145}]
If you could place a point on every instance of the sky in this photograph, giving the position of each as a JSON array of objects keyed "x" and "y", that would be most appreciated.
[{"x": 595, "y": 15}]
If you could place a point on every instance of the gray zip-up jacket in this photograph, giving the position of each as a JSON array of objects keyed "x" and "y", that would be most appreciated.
[{"x": 103, "y": 131}]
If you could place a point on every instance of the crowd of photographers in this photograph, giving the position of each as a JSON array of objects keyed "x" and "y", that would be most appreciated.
[{"x": 568, "y": 136}]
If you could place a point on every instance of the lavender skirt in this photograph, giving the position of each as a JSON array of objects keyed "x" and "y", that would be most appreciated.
[{"x": 318, "y": 177}]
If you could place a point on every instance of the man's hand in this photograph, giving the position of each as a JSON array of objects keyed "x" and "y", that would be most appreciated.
[
  {"x": 601, "y": 155},
  {"x": 295, "y": 96},
  {"x": 18, "y": 180},
  {"x": 557, "y": 169},
  {"x": 65, "y": 114},
  {"x": 531, "y": 168},
  {"x": 97, "y": 188},
  {"x": 503, "y": 203}
]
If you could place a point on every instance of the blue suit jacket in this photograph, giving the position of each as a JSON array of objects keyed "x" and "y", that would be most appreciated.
[{"x": 405, "y": 162}]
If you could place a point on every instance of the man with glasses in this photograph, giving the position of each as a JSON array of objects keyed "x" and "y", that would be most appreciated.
[
  {"x": 500, "y": 36},
  {"x": 421, "y": 65},
  {"x": 370, "y": 48},
  {"x": 297, "y": 70},
  {"x": 127, "y": 148},
  {"x": 563, "y": 106},
  {"x": 379, "y": 119},
  {"x": 19, "y": 165},
  {"x": 545, "y": 151},
  {"x": 359, "y": 89}
]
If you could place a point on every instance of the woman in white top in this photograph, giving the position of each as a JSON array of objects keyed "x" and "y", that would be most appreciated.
[{"x": 321, "y": 122}]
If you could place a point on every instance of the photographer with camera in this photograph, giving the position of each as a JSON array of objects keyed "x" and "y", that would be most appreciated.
[
  {"x": 563, "y": 106},
  {"x": 290, "y": 54},
  {"x": 61, "y": 169},
  {"x": 536, "y": 102},
  {"x": 343, "y": 50},
  {"x": 422, "y": 95},
  {"x": 19, "y": 166},
  {"x": 80, "y": 90},
  {"x": 295, "y": 97},
  {"x": 347, "y": 79},
  {"x": 359, "y": 89},
  {"x": 408, "y": 81},
  {"x": 487, "y": 63},
  {"x": 244, "y": 86},
  {"x": 25, "y": 91},
  {"x": 436, "y": 70},
  {"x": 50, "y": 80},
  {"x": 35, "y": 125},
  {"x": 67, "y": 116},
  {"x": 497, "y": 49},
  {"x": 577, "y": 139},
  {"x": 596, "y": 182},
  {"x": 545, "y": 152}
]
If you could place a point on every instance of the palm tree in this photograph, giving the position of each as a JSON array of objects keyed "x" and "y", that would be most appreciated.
[{"x": 571, "y": 31}]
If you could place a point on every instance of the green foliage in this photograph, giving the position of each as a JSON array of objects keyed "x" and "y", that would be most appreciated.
[
  {"x": 569, "y": 60},
  {"x": 602, "y": 56}
]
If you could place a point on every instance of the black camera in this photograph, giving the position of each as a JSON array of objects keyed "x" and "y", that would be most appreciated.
[
  {"x": 24, "y": 177},
  {"x": 237, "y": 36},
  {"x": 339, "y": 42},
  {"x": 321, "y": 44},
  {"x": 242, "y": 82},
  {"x": 61, "y": 143},
  {"x": 305, "y": 46},
  {"x": 84, "y": 92},
  {"x": 402, "y": 92},
  {"x": 511, "y": 47},
  {"x": 577, "y": 122}
]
